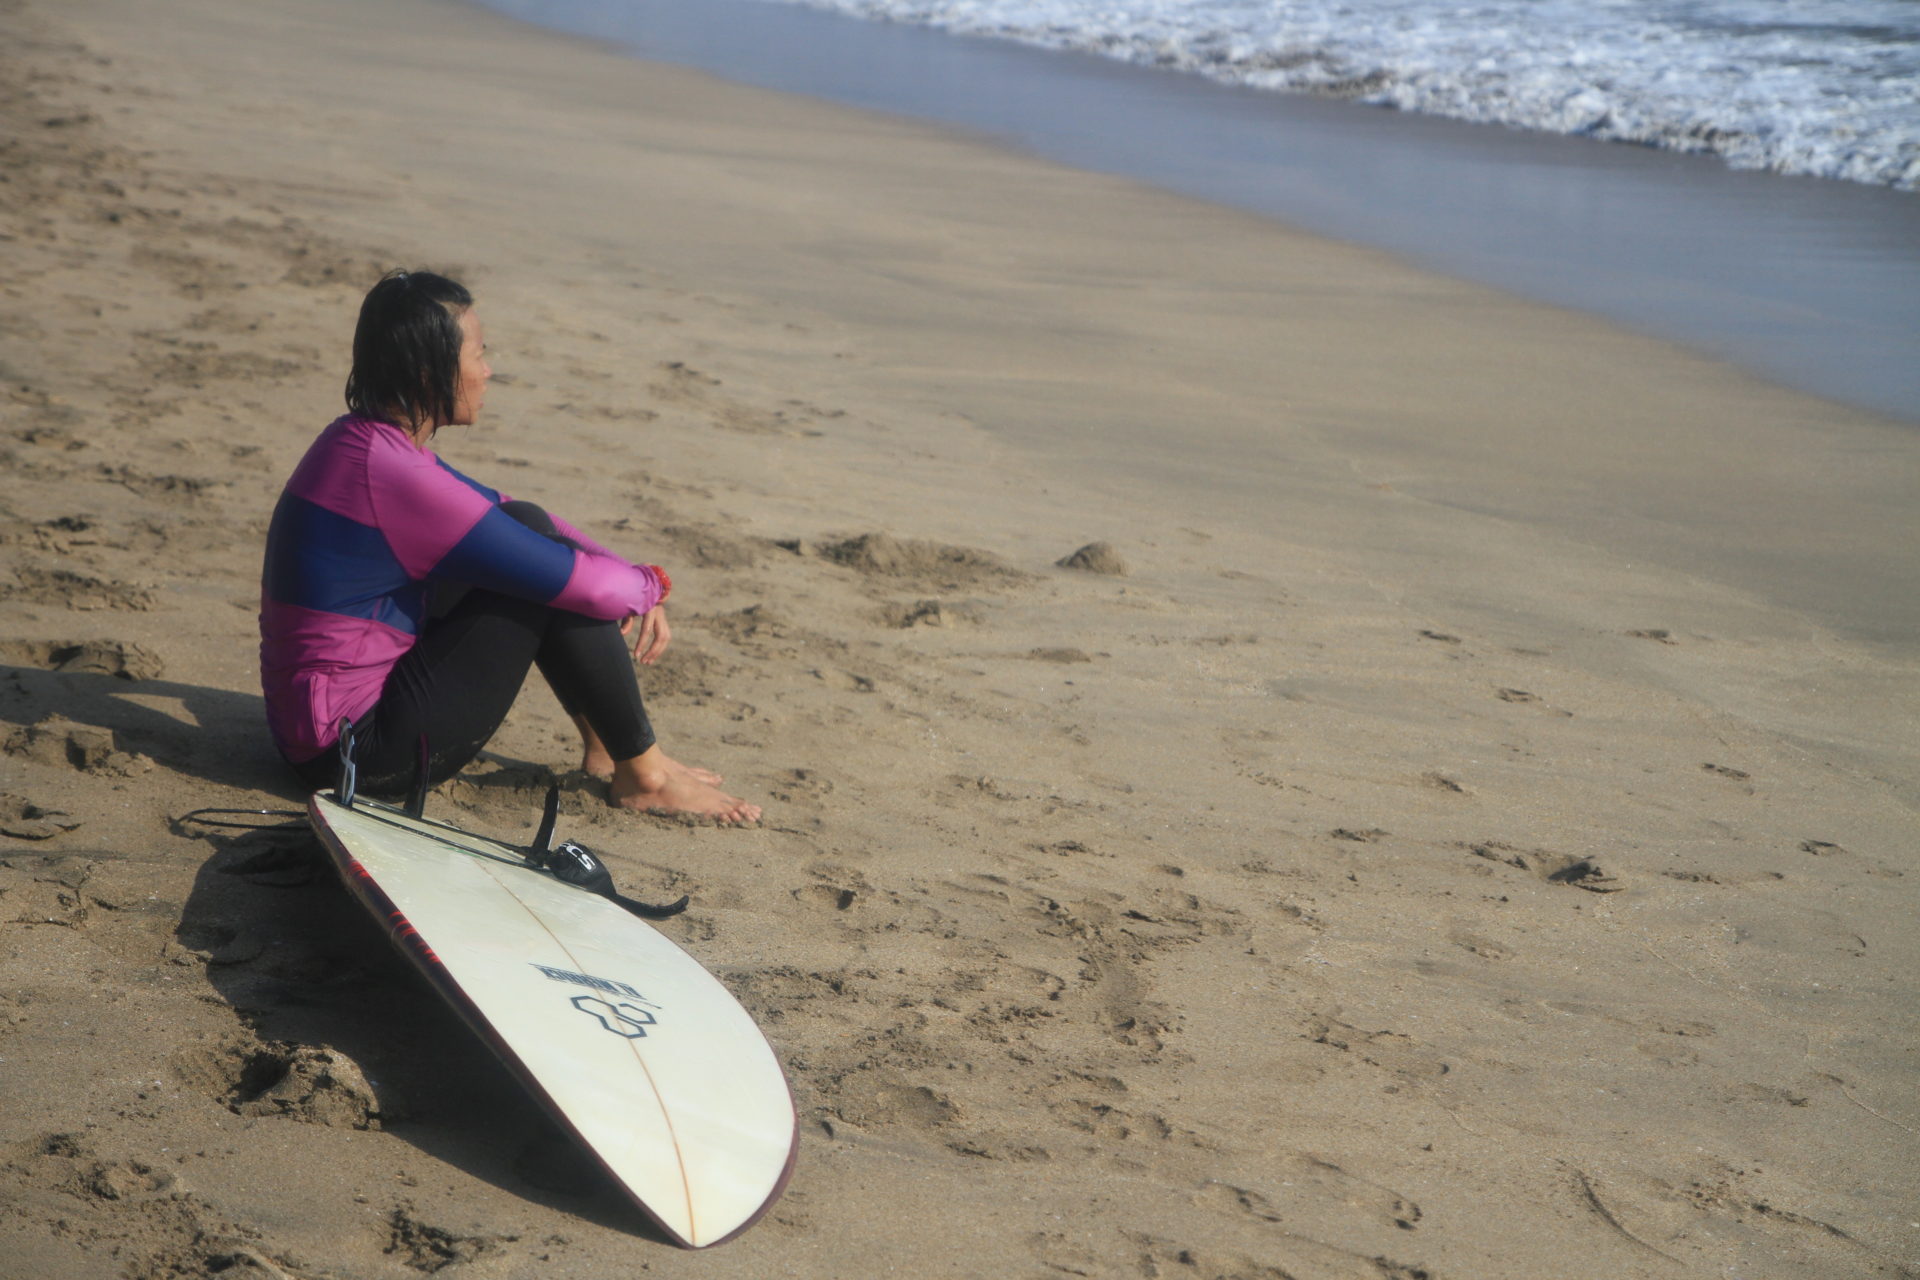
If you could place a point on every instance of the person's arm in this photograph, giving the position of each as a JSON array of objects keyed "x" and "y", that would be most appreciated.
[{"x": 440, "y": 525}]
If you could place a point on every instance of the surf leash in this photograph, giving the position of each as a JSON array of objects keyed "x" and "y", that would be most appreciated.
[
  {"x": 569, "y": 862},
  {"x": 229, "y": 818},
  {"x": 269, "y": 866}
]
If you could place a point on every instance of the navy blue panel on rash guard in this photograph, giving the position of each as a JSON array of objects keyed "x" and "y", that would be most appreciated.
[
  {"x": 491, "y": 495},
  {"x": 322, "y": 561},
  {"x": 501, "y": 554}
]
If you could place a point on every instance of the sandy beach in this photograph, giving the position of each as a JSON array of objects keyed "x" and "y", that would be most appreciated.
[{"x": 1464, "y": 827}]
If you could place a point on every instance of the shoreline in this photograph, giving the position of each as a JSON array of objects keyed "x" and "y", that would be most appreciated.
[
  {"x": 1676, "y": 246},
  {"x": 1440, "y": 852},
  {"x": 1756, "y": 536}
]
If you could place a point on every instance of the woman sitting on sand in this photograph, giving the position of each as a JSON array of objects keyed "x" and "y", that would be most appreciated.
[{"x": 371, "y": 517}]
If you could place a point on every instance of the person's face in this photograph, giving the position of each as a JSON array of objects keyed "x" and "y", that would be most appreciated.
[{"x": 470, "y": 391}]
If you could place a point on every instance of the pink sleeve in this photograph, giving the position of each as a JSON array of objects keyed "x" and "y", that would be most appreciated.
[{"x": 605, "y": 586}]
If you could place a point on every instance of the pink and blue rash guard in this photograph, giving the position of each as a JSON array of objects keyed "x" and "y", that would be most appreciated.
[{"x": 366, "y": 521}]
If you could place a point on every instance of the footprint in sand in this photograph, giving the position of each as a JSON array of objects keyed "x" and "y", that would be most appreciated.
[
  {"x": 687, "y": 671},
  {"x": 929, "y": 565},
  {"x": 804, "y": 786},
  {"x": 120, "y": 658},
  {"x": 76, "y": 591},
  {"x": 22, "y": 819},
  {"x": 931, "y": 613},
  {"x": 1523, "y": 697},
  {"x": 1387, "y": 1049},
  {"x": 1484, "y": 947},
  {"x": 58, "y": 741},
  {"x": 421, "y": 1246},
  {"x": 1554, "y": 868},
  {"x": 61, "y": 536},
  {"x": 307, "y": 1083},
  {"x": 875, "y": 1098},
  {"x": 701, "y": 545},
  {"x": 1317, "y": 1192},
  {"x": 1110, "y": 1123},
  {"x": 1095, "y": 557},
  {"x": 1062, "y": 656},
  {"x": 49, "y": 890},
  {"x": 133, "y": 1200}
]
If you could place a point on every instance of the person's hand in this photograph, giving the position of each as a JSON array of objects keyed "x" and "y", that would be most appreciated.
[{"x": 654, "y": 634}]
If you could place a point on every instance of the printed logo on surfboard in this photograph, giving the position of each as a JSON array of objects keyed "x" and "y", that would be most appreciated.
[{"x": 622, "y": 1017}]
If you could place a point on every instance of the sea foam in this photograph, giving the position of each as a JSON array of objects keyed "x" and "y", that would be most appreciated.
[{"x": 1828, "y": 88}]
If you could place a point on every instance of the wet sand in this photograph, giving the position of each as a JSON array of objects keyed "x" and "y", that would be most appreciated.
[{"x": 1446, "y": 850}]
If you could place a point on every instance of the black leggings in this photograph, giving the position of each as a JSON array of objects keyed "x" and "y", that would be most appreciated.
[{"x": 455, "y": 685}]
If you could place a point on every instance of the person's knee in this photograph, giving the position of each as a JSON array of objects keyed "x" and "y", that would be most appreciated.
[
  {"x": 535, "y": 517},
  {"x": 532, "y": 515}
]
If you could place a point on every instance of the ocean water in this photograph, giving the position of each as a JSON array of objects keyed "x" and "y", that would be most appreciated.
[
  {"x": 1827, "y": 88},
  {"x": 1812, "y": 282}
]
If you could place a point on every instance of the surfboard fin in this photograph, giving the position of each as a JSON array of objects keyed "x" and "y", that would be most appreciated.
[
  {"x": 417, "y": 799},
  {"x": 543, "y": 838},
  {"x": 349, "y": 780}
]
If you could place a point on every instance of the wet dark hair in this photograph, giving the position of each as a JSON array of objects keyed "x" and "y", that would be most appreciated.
[{"x": 406, "y": 349}]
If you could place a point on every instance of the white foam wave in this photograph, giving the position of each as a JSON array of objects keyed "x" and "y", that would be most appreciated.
[{"x": 1828, "y": 88}]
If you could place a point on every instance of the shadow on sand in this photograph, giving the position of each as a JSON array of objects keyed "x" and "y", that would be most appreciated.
[
  {"x": 310, "y": 974},
  {"x": 214, "y": 735}
]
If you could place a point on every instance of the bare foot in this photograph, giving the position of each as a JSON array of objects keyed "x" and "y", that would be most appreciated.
[
  {"x": 600, "y": 765},
  {"x": 647, "y": 784},
  {"x": 595, "y": 761},
  {"x": 694, "y": 771}
]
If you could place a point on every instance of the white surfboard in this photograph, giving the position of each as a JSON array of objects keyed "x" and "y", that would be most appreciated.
[{"x": 621, "y": 1035}]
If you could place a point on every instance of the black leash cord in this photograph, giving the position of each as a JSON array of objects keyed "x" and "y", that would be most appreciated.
[
  {"x": 569, "y": 863},
  {"x": 299, "y": 818}
]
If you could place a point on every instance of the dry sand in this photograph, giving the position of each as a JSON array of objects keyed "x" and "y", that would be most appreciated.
[{"x": 1474, "y": 838}]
